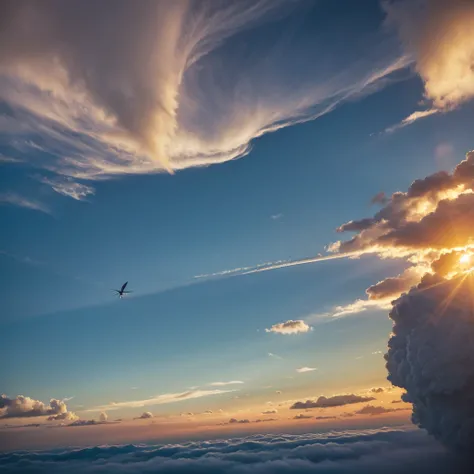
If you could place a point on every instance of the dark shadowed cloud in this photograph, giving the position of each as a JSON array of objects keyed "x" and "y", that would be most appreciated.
[
  {"x": 430, "y": 356},
  {"x": 335, "y": 401}
]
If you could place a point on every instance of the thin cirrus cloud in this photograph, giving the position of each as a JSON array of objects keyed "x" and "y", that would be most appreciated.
[
  {"x": 221, "y": 384},
  {"x": 161, "y": 91},
  {"x": 303, "y": 370},
  {"x": 14, "y": 199},
  {"x": 275, "y": 356},
  {"x": 160, "y": 399}
]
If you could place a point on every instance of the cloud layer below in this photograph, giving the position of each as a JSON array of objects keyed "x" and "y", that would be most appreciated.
[{"x": 388, "y": 450}]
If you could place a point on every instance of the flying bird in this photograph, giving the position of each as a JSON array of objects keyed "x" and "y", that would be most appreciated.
[{"x": 122, "y": 291}]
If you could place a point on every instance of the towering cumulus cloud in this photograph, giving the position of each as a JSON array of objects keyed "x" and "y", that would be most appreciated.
[
  {"x": 430, "y": 352},
  {"x": 113, "y": 87},
  {"x": 431, "y": 355},
  {"x": 24, "y": 407}
]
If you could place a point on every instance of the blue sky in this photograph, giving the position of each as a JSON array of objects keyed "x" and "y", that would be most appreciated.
[{"x": 64, "y": 332}]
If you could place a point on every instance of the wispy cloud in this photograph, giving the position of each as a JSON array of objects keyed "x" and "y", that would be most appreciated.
[
  {"x": 8, "y": 159},
  {"x": 412, "y": 118},
  {"x": 160, "y": 399},
  {"x": 269, "y": 266},
  {"x": 68, "y": 187},
  {"x": 147, "y": 100},
  {"x": 434, "y": 36},
  {"x": 221, "y": 384},
  {"x": 303, "y": 370},
  {"x": 14, "y": 199},
  {"x": 276, "y": 217},
  {"x": 359, "y": 306},
  {"x": 275, "y": 356}
]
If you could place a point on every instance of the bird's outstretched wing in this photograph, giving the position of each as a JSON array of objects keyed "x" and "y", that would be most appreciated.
[{"x": 123, "y": 286}]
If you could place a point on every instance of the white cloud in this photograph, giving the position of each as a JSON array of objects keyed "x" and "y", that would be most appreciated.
[
  {"x": 160, "y": 94},
  {"x": 15, "y": 199},
  {"x": 359, "y": 306},
  {"x": 221, "y": 384},
  {"x": 67, "y": 187},
  {"x": 25, "y": 407},
  {"x": 103, "y": 416},
  {"x": 275, "y": 356},
  {"x": 268, "y": 266},
  {"x": 436, "y": 33},
  {"x": 412, "y": 118},
  {"x": 302, "y": 370},
  {"x": 160, "y": 399},
  {"x": 290, "y": 327}
]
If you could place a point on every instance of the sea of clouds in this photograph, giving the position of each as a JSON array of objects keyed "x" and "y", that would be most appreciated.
[{"x": 386, "y": 450}]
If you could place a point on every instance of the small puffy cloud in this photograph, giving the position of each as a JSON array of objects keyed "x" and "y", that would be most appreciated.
[
  {"x": 103, "y": 416},
  {"x": 377, "y": 390},
  {"x": 66, "y": 416},
  {"x": 278, "y": 392},
  {"x": 303, "y": 370},
  {"x": 235, "y": 420},
  {"x": 145, "y": 415},
  {"x": 222, "y": 384},
  {"x": 270, "y": 412},
  {"x": 301, "y": 416},
  {"x": 325, "y": 417},
  {"x": 335, "y": 401},
  {"x": 290, "y": 327},
  {"x": 83, "y": 423},
  {"x": 22, "y": 407}
]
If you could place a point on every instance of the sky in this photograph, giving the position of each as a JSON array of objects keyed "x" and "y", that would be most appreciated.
[{"x": 269, "y": 177}]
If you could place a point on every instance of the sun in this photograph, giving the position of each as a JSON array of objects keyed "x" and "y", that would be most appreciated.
[{"x": 465, "y": 258}]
